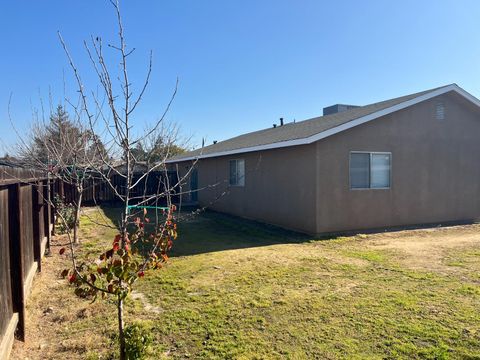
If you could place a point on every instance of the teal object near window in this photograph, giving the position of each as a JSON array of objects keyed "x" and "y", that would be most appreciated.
[{"x": 163, "y": 208}]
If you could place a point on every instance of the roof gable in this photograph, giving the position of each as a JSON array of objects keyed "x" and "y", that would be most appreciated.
[{"x": 312, "y": 130}]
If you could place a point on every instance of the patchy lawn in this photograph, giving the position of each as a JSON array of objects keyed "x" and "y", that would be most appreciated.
[{"x": 236, "y": 289}]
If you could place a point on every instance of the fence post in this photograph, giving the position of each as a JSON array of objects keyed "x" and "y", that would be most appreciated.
[
  {"x": 52, "y": 213},
  {"x": 46, "y": 210},
  {"x": 16, "y": 256},
  {"x": 37, "y": 237}
]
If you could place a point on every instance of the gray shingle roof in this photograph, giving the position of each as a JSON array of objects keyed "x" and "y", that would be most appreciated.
[{"x": 297, "y": 130}]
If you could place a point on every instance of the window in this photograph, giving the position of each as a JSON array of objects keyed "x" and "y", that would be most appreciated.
[
  {"x": 237, "y": 172},
  {"x": 370, "y": 170},
  {"x": 440, "y": 111}
]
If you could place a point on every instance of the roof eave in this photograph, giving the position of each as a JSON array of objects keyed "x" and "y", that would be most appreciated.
[{"x": 340, "y": 128}]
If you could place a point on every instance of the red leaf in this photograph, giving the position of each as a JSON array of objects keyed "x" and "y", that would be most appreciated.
[
  {"x": 141, "y": 274},
  {"x": 116, "y": 246},
  {"x": 62, "y": 250},
  {"x": 72, "y": 278},
  {"x": 117, "y": 238},
  {"x": 147, "y": 220}
]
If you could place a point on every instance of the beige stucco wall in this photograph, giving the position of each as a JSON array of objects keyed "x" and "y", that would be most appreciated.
[
  {"x": 435, "y": 175},
  {"x": 435, "y": 169},
  {"x": 279, "y": 187}
]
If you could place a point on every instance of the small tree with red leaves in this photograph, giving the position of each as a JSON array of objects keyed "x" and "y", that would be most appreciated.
[{"x": 116, "y": 270}]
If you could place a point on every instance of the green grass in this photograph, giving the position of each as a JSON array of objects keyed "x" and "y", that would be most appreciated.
[{"x": 236, "y": 289}]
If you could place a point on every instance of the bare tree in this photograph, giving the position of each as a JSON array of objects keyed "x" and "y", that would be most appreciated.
[
  {"x": 109, "y": 116},
  {"x": 97, "y": 142},
  {"x": 66, "y": 149}
]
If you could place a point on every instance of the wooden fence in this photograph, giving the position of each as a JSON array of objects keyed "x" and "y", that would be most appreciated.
[
  {"x": 26, "y": 223},
  {"x": 98, "y": 191}
]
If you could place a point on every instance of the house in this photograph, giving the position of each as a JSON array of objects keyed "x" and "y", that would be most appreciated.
[{"x": 406, "y": 161}]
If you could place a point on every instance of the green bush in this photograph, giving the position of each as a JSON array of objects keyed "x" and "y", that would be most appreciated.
[{"x": 137, "y": 341}]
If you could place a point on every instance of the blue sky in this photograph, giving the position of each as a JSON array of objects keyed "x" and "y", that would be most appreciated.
[{"x": 243, "y": 64}]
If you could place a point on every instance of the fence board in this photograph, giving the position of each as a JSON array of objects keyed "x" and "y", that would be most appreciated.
[
  {"x": 16, "y": 256},
  {"x": 6, "y": 306},
  {"x": 37, "y": 225},
  {"x": 15, "y": 173},
  {"x": 26, "y": 222},
  {"x": 47, "y": 212}
]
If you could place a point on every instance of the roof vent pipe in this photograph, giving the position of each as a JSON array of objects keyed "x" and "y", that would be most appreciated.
[
  {"x": 274, "y": 125},
  {"x": 214, "y": 141},
  {"x": 281, "y": 121}
]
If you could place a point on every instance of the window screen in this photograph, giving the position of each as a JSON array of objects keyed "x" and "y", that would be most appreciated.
[
  {"x": 240, "y": 172},
  {"x": 380, "y": 171},
  {"x": 370, "y": 170},
  {"x": 237, "y": 172},
  {"x": 359, "y": 170}
]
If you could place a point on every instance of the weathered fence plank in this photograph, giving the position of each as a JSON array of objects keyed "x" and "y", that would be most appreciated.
[
  {"x": 37, "y": 225},
  {"x": 16, "y": 256},
  {"x": 47, "y": 216},
  {"x": 7, "y": 318}
]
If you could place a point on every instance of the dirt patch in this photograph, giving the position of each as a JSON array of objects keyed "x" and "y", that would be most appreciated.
[
  {"x": 54, "y": 314},
  {"x": 426, "y": 249},
  {"x": 135, "y": 295}
]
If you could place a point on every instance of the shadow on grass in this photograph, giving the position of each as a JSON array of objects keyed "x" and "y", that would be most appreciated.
[{"x": 212, "y": 231}]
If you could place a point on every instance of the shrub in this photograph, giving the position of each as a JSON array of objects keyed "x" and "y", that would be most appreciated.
[{"x": 137, "y": 341}]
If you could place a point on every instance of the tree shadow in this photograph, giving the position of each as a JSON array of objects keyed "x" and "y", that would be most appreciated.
[{"x": 212, "y": 231}]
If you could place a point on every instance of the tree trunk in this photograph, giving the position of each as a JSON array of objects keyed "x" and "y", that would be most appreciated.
[
  {"x": 121, "y": 335},
  {"x": 75, "y": 230},
  {"x": 76, "y": 224}
]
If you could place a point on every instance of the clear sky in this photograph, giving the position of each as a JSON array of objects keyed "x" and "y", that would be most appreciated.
[{"x": 243, "y": 64}]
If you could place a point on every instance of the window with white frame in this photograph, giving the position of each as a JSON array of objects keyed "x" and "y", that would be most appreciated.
[
  {"x": 237, "y": 172},
  {"x": 370, "y": 170}
]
